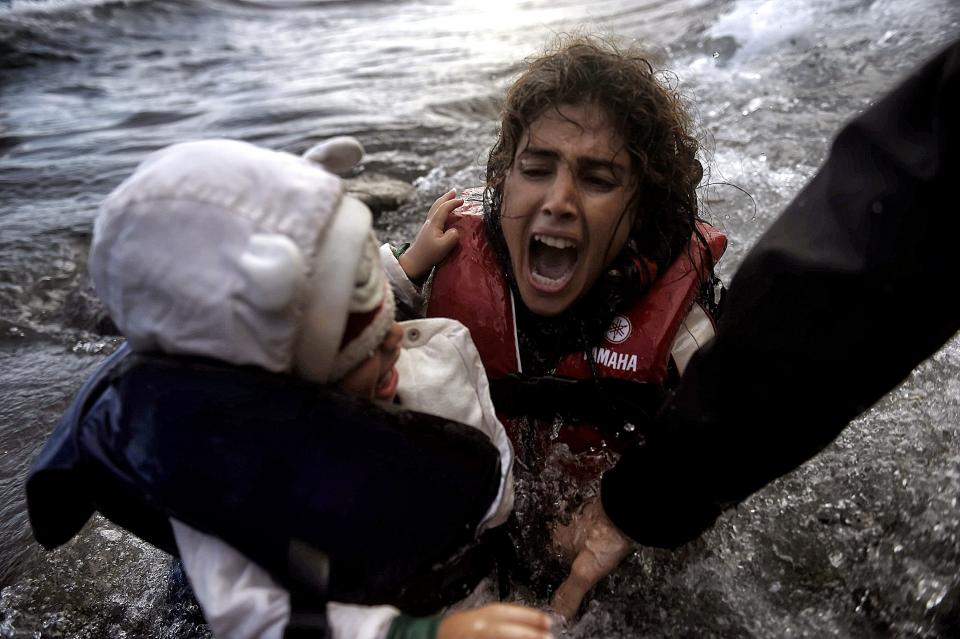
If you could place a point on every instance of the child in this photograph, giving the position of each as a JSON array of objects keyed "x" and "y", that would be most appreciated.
[{"x": 254, "y": 260}]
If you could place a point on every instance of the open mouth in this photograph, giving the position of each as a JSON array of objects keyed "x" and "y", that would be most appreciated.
[{"x": 553, "y": 261}]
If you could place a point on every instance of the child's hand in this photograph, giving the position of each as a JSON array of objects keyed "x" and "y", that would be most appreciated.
[
  {"x": 496, "y": 621},
  {"x": 596, "y": 546},
  {"x": 432, "y": 243}
]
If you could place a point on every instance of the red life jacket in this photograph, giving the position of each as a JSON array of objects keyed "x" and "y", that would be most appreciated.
[{"x": 469, "y": 285}]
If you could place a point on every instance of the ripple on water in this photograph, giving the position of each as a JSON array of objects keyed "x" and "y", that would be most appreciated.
[
  {"x": 38, "y": 379},
  {"x": 860, "y": 542},
  {"x": 103, "y": 583}
]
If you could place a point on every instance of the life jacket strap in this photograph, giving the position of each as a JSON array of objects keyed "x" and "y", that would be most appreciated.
[{"x": 308, "y": 618}]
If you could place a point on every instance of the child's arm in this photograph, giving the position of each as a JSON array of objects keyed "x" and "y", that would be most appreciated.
[
  {"x": 409, "y": 298},
  {"x": 241, "y": 601},
  {"x": 433, "y": 242},
  {"x": 408, "y": 266},
  {"x": 493, "y": 621}
]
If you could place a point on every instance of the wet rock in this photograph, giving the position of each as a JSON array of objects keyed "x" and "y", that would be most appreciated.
[
  {"x": 83, "y": 310},
  {"x": 379, "y": 192}
]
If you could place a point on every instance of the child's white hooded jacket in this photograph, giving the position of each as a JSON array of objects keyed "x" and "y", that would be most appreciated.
[{"x": 222, "y": 249}]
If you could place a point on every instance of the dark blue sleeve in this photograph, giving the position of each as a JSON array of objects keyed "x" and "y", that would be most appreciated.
[{"x": 333, "y": 496}]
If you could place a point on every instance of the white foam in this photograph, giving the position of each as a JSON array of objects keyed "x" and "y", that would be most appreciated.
[
  {"x": 760, "y": 26},
  {"x": 60, "y": 6}
]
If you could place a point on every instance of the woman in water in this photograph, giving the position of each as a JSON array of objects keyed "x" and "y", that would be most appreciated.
[{"x": 587, "y": 278}]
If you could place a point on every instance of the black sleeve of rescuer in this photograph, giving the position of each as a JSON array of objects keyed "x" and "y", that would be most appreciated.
[{"x": 850, "y": 289}]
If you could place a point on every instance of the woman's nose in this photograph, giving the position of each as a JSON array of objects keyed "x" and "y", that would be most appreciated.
[{"x": 562, "y": 197}]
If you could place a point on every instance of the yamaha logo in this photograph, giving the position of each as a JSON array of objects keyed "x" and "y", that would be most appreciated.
[{"x": 619, "y": 330}]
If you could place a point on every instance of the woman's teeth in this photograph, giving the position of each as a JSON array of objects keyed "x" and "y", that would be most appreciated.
[
  {"x": 555, "y": 242},
  {"x": 552, "y": 260}
]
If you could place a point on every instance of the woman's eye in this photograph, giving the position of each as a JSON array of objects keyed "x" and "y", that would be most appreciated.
[
  {"x": 534, "y": 170},
  {"x": 600, "y": 182}
]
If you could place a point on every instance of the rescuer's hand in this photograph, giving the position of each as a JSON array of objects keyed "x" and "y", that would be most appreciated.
[
  {"x": 496, "y": 621},
  {"x": 596, "y": 546},
  {"x": 432, "y": 243}
]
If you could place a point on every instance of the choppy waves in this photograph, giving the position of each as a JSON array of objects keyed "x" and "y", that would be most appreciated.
[{"x": 860, "y": 542}]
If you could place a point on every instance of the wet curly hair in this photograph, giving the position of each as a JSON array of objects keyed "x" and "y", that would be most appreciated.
[{"x": 656, "y": 131}]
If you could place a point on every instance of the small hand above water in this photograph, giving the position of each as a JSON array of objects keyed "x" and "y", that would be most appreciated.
[
  {"x": 432, "y": 243},
  {"x": 496, "y": 621}
]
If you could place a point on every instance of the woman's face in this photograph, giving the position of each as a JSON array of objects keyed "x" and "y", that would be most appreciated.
[{"x": 564, "y": 206}]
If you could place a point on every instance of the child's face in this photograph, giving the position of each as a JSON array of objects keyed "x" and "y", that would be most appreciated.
[{"x": 376, "y": 377}]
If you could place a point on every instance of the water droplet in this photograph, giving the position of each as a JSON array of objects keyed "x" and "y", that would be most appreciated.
[{"x": 110, "y": 534}]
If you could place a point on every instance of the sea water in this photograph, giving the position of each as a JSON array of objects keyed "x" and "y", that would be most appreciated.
[{"x": 859, "y": 542}]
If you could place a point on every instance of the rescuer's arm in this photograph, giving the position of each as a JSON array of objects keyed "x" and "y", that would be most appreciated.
[
  {"x": 840, "y": 299},
  {"x": 806, "y": 341}
]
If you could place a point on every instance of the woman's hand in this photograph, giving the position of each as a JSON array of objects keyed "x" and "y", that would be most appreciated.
[
  {"x": 597, "y": 547},
  {"x": 432, "y": 243},
  {"x": 496, "y": 621}
]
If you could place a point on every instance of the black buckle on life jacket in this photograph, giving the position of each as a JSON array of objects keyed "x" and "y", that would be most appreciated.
[{"x": 308, "y": 619}]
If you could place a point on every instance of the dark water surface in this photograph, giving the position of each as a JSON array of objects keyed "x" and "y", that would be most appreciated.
[{"x": 860, "y": 542}]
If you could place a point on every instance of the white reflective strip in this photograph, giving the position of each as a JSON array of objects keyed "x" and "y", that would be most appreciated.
[
  {"x": 697, "y": 329},
  {"x": 239, "y": 599}
]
